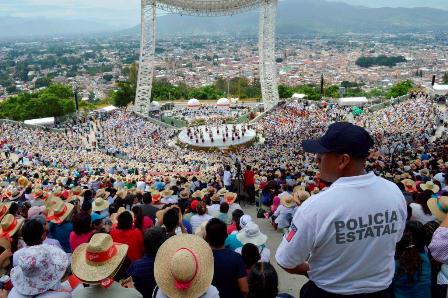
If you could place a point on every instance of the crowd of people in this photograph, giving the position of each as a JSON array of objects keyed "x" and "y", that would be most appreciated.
[
  {"x": 208, "y": 114},
  {"x": 116, "y": 209}
]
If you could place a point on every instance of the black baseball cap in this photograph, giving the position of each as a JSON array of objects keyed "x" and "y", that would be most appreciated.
[{"x": 344, "y": 138}]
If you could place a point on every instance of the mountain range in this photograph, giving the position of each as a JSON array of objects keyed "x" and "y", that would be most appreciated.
[
  {"x": 294, "y": 17},
  {"x": 314, "y": 16},
  {"x": 440, "y": 4},
  {"x": 11, "y": 27}
]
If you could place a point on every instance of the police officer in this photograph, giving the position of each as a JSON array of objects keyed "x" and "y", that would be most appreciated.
[{"x": 344, "y": 238}]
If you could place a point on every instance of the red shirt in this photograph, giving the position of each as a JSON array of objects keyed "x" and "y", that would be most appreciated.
[
  {"x": 231, "y": 228},
  {"x": 133, "y": 238},
  {"x": 76, "y": 240},
  {"x": 249, "y": 179}
]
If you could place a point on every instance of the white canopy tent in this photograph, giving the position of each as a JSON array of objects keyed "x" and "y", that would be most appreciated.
[
  {"x": 107, "y": 109},
  {"x": 193, "y": 103},
  {"x": 440, "y": 88},
  {"x": 298, "y": 96},
  {"x": 41, "y": 122},
  {"x": 353, "y": 101},
  {"x": 223, "y": 102}
]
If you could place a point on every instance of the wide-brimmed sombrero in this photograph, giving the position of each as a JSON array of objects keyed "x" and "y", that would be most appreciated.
[
  {"x": 100, "y": 204},
  {"x": 184, "y": 267},
  {"x": 10, "y": 225},
  {"x": 438, "y": 207},
  {"x": 430, "y": 186},
  {"x": 99, "y": 259},
  {"x": 60, "y": 211},
  {"x": 287, "y": 200},
  {"x": 230, "y": 197}
]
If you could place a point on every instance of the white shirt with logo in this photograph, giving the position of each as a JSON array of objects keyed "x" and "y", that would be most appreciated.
[{"x": 348, "y": 235}]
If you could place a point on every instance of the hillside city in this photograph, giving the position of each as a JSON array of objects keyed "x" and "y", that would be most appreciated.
[{"x": 98, "y": 63}]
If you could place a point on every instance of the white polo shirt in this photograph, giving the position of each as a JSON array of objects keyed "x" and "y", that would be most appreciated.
[{"x": 348, "y": 235}]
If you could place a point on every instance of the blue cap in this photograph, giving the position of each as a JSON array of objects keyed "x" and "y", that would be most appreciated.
[
  {"x": 95, "y": 216},
  {"x": 344, "y": 138}
]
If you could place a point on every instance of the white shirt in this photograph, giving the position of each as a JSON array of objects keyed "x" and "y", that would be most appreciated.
[
  {"x": 196, "y": 221},
  {"x": 227, "y": 179},
  {"x": 440, "y": 177},
  {"x": 141, "y": 185},
  {"x": 212, "y": 292},
  {"x": 283, "y": 213},
  {"x": 419, "y": 215},
  {"x": 233, "y": 207},
  {"x": 348, "y": 235},
  {"x": 213, "y": 209}
]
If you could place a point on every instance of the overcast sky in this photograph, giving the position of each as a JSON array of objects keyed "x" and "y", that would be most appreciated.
[
  {"x": 126, "y": 12},
  {"x": 120, "y": 12}
]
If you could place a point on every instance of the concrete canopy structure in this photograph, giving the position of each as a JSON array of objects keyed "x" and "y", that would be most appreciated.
[
  {"x": 193, "y": 103},
  {"x": 267, "y": 33}
]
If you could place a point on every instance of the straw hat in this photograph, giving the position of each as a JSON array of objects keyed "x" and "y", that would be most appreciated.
[
  {"x": 100, "y": 204},
  {"x": 167, "y": 193},
  {"x": 51, "y": 202},
  {"x": 230, "y": 197},
  {"x": 102, "y": 193},
  {"x": 39, "y": 269},
  {"x": 252, "y": 234},
  {"x": 431, "y": 186},
  {"x": 438, "y": 207},
  {"x": 15, "y": 193},
  {"x": 114, "y": 216},
  {"x": 156, "y": 196},
  {"x": 301, "y": 196},
  {"x": 216, "y": 198},
  {"x": 4, "y": 208},
  {"x": 10, "y": 225},
  {"x": 198, "y": 195},
  {"x": 60, "y": 211},
  {"x": 99, "y": 259},
  {"x": 37, "y": 193},
  {"x": 222, "y": 191},
  {"x": 76, "y": 191},
  {"x": 122, "y": 193},
  {"x": 287, "y": 200},
  {"x": 211, "y": 190},
  {"x": 184, "y": 194},
  {"x": 184, "y": 267},
  {"x": 409, "y": 185}
]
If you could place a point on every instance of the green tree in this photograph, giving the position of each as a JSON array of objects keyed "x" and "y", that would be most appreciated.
[
  {"x": 124, "y": 95},
  {"x": 92, "y": 96},
  {"x": 279, "y": 60},
  {"x": 332, "y": 91},
  {"x": 42, "y": 82},
  {"x": 400, "y": 89},
  {"x": 445, "y": 78},
  {"x": 108, "y": 77}
]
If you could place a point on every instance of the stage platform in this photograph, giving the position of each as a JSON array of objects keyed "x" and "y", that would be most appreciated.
[{"x": 217, "y": 136}]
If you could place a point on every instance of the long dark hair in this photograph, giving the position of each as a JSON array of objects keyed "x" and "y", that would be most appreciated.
[
  {"x": 263, "y": 281},
  {"x": 422, "y": 199},
  {"x": 408, "y": 250},
  {"x": 138, "y": 217}
]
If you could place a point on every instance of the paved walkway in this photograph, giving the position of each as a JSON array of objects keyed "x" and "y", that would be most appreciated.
[{"x": 288, "y": 283}]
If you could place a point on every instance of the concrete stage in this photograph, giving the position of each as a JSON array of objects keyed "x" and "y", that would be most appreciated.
[{"x": 217, "y": 136}]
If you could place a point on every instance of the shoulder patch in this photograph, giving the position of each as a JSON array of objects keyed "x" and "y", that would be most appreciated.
[{"x": 292, "y": 233}]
